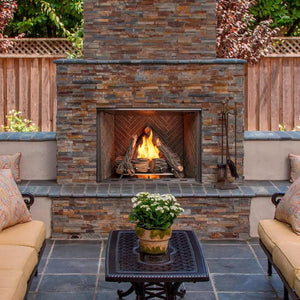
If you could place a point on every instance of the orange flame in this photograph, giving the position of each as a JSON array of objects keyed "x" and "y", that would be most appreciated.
[
  {"x": 147, "y": 149},
  {"x": 148, "y": 176}
]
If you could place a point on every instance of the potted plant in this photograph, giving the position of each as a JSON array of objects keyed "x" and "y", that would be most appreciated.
[{"x": 154, "y": 214}]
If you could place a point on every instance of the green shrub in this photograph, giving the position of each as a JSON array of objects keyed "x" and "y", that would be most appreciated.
[
  {"x": 16, "y": 123},
  {"x": 283, "y": 128}
]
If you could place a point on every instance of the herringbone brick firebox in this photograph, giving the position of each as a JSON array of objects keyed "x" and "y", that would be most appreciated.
[
  {"x": 179, "y": 129},
  {"x": 147, "y": 62}
]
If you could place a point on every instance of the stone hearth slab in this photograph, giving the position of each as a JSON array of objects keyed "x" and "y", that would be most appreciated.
[{"x": 129, "y": 187}]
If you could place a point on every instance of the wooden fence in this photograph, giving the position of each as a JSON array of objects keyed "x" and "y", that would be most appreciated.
[
  {"x": 28, "y": 84},
  {"x": 272, "y": 94},
  {"x": 28, "y": 79}
]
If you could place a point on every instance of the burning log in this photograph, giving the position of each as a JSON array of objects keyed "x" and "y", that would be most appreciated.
[
  {"x": 171, "y": 157},
  {"x": 141, "y": 165},
  {"x": 118, "y": 160},
  {"x": 158, "y": 165},
  {"x": 125, "y": 165}
]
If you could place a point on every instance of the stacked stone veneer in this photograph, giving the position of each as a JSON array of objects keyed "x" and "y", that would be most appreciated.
[
  {"x": 149, "y": 29},
  {"x": 96, "y": 217},
  {"x": 85, "y": 86}
]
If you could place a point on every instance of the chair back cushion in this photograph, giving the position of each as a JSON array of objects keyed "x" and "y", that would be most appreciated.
[
  {"x": 294, "y": 166},
  {"x": 12, "y": 162},
  {"x": 288, "y": 209},
  {"x": 12, "y": 206}
]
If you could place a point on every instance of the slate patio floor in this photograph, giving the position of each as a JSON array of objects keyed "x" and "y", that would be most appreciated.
[{"x": 75, "y": 270}]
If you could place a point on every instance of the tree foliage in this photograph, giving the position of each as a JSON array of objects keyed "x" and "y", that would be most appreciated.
[
  {"x": 236, "y": 35},
  {"x": 284, "y": 13},
  {"x": 49, "y": 18},
  {"x": 7, "y": 9},
  {"x": 41, "y": 18}
]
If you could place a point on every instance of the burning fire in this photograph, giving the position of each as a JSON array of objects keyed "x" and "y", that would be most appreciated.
[{"x": 147, "y": 149}]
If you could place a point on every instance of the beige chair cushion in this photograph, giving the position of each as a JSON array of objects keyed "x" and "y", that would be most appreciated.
[
  {"x": 286, "y": 256},
  {"x": 31, "y": 234},
  {"x": 18, "y": 258},
  {"x": 271, "y": 232},
  {"x": 297, "y": 284},
  {"x": 13, "y": 285}
]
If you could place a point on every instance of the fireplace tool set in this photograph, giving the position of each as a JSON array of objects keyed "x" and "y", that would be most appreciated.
[{"x": 227, "y": 171}]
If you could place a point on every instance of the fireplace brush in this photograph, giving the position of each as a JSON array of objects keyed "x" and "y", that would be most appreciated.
[{"x": 230, "y": 163}]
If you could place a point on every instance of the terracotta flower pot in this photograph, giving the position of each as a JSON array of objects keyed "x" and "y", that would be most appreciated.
[{"x": 153, "y": 241}]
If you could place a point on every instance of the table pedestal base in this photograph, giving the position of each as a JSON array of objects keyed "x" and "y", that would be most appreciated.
[{"x": 144, "y": 291}]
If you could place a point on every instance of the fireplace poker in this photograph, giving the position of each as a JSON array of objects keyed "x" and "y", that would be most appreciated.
[{"x": 222, "y": 165}]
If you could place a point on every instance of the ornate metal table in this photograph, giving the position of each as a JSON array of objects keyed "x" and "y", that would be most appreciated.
[{"x": 154, "y": 275}]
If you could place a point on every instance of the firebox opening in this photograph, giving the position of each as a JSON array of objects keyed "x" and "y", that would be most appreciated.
[{"x": 125, "y": 135}]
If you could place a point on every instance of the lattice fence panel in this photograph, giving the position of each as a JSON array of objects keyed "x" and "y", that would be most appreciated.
[
  {"x": 285, "y": 47},
  {"x": 48, "y": 47},
  {"x": 37, "y": 47}
]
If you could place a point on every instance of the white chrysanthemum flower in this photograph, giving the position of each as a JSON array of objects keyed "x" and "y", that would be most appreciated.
[
  {"x": 165, "y": 205},
  {"x": 142, "y": 194},
  {"x": 159, "y": 209}
]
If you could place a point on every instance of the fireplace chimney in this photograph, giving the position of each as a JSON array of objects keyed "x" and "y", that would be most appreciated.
[{"x": 149, "y": 29}]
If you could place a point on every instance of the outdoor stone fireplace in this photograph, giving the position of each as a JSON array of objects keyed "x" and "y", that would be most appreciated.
[
  {"x": 85, "y": 86},
  {"x": 147, "y": 63},
  {"x": 145, "y": 55}
]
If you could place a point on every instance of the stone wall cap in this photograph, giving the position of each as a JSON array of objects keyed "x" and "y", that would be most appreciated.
[
  {"x": 271, "y": 135},
  {"x": 153, "y": 61},
  {"x": 27, "y": 136},
  {"x": 248, "y": 136}
]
